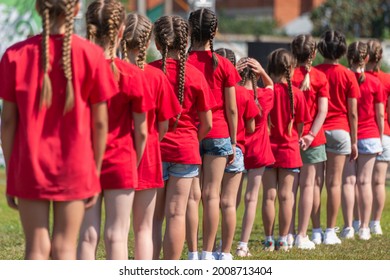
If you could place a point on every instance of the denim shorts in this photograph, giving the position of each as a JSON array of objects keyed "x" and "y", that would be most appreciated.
[
  {"x": 216, "y": 147},
  {"x": 385, "y": 155},
  {"x": 293, "y": 170},
  {"x": 179, "y": 170},
  {"x": 238, "y": 165},
  {"x": 338, "y": 141},
  {"x": 369, "y": 146}
]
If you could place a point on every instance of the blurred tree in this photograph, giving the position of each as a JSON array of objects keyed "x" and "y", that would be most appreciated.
[{"x": 356, "y": 18}]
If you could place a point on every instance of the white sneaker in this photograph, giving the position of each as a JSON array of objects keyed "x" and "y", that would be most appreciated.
[
  {"x": 347, "y": 233},
  {"x": 330, "y": 237},
  {"x": 304, "y": 243},
  {"x": 364, "y": 233},
  {"x": 208, "y": 256},
  {"x": 225, "y": 257},
  {"x": 317, "y": 237},
  {"x": 376, "y": 228},
  {"x": 290, "y": 240},
  {"x": 356, "y": 225},
  {"x": 193, "y": 256}
]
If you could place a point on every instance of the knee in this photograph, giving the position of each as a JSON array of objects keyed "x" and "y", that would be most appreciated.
[
  {"x": 90, "y": 236},
  {"x": 284, "y": 197},
  {"x": 226, "y": 204},
  {"x": 63, "y": 250},
  {"x": 112, "y": 236},
  {"x": 41, "y": 251}
]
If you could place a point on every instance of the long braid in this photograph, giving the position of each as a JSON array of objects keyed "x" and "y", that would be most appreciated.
[
  {"x": 125, "y": 56},
  {"x": 357, "y": 53},
  {"x": 362, "y": 57},
  {"x": 255, "y": 93},
  {"x": 112, "y": 34},
  {"x": 291, "y": 96},
  {"x": 375, "y": 52},
  {"x": 213, "y": 30},
  {"x": 144, "y": 38},
  {"x": 66, "y": 55},
  {"x": 46, "y": 92}
]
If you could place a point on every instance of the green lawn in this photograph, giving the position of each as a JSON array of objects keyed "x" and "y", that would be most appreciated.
[{"x": 11, "y": 239}]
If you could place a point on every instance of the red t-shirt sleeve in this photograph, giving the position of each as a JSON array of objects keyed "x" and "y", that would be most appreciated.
[
  {"x": 301, "y": 111},
  {"x": 168, "y": 105},
  {"x": 232, "y": 76},
  {"x": 324, "y": 87},
  {"x": 7, "y": 79},
  {"x": 104, "y": 84},
  {"x": 353, "y": 90},
  {"x": 141, "y": 96},
  {"x": 251, "y": 110}
]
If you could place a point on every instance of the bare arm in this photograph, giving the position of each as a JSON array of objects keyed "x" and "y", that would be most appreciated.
[
  {"x": 379, "y": 113},
  {"x": 353, "y": 119},
  {"x": 162, "y": 129},
  {"x": 99, "y": 132},
  {"x": 260, "y": 73},
  {"x": 140, "y": 134},
  {"x": 250, "y": 125},
  {"x": 317, "y": 123},
  {"x": 9, "y": 122},
  {"x": 206, "y": 123},
  {"x": 231, "y": 114},
  {"x": 388, "y": 110},
  {"x": 300, "y": 129}
]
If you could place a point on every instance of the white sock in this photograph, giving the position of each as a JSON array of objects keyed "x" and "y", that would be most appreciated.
[
  {"x": 206, "y": 255},
  {"x": 330, "y": 230},
  {"x": 317, "y": 229},
  {"x": 375, "y": 223},
  {"x": 283, "y": 238},
  {"x": 243, "y": 245},
  {"x": 269, "y": 238},
  {"x": 193, "y": 255}
]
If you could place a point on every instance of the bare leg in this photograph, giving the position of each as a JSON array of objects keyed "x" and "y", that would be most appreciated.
[
  {"x": 34, "y": 215},
  {"x": 318, "y": 185},
  {"x": 294, "y": 205},
  {"x": 378, "y": 189},
  {"x": 239, "y": 193},
  {"x": 90, "y": 232},
  {"x": 118, "y": 205},
  {"x": 348, "y": 192},
  {"x": 158, "y": 219},
  {"x": 285, "y": 185},
  {"x": 143, "y": 211},
  {"x": 270, "y": 180},
  {"x": 178, "y": 191},
  {"x": 192, "y": 216},
  {"x": 67, "y": 218}
]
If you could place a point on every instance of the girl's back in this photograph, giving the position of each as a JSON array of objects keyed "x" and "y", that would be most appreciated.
[{"x": 49, "y": 142}]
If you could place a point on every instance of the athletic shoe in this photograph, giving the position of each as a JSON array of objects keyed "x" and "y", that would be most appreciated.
[
  {"x": 317, "y": 236},
  {"x": 269, "y": 245},
  {"x": 356, "y": 225},
  {"x": 243, "y": 252},
  {"x": 330, "y": 237},
  {"x": 364, "y": 233},
  {"x": 304, "y": 243},
  {"x": 376, "y": 228},
  {"x": 347, "y": 233},
  {"x": 208, "y": 257},
  {"x": 281, "y": 245},
  {"x": 225, "y": 257},
  {"x": 193, "y": 256},
  {"x": 290, "y": 240}
]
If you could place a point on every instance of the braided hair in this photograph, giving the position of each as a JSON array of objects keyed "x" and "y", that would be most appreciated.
[
  {"x": 203, "y": 23},
  {"x": 375, "y": 51},
  {"x": 49, "y": 11},
  {"x": 227, "y": 53},
  {"x": 332, "y": 45},
  {"x": 280, "y": 63},
  {"x": 303, "y": 48},
  {"x": 104, "y": 19},
  {"x": 171, "y": 33},
  {"x": 138, "y": 30},
  {"x": 357, "y": 53}
]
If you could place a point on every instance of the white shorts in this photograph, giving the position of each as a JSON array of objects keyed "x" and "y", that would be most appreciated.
[{"x": 369, "y": 146}]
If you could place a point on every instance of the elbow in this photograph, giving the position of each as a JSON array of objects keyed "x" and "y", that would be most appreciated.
[
  {"x": 250, "y": 130},
  {"x": 100, "y": 125},
  {"x": 208, "y": 126}
]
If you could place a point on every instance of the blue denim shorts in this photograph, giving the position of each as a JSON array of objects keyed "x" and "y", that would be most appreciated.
[
  {"x": 179, "y": 170},
  {"x": 369, "y": 146},
  {"x": 216, "y": 147},
  {"x": 293, "y": 170},
  {"x": 238, "y": 165}
]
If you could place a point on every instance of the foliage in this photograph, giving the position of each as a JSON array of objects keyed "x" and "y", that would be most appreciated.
[
  {"x": 248, "y": 25},
  {"x": 356, "y": 18}
]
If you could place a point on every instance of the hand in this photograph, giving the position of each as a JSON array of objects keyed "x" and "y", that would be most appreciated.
[
  {"x": 11, "y": 201},
  {"x": 242, "y": 64},
  {"x": 354, "y": 152},
  {"x": 306, "y": 141},
  {"x": 233, "y": 156},
  {"x": 91, "y": 201}
]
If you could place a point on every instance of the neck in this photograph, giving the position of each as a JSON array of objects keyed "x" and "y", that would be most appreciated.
[
  {"x": 201, "y": 47},
  {"x": 331, "y": 61},
  {"x": 356, "y": 68},
  {"x": 371, "y": 66},
  {"x": 132, "y": 56},
  {"x": 278, "y": 79},
  {"x": 173, "y": 54}
]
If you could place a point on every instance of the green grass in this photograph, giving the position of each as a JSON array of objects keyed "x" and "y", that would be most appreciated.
[{"x": 378, "y": 248}]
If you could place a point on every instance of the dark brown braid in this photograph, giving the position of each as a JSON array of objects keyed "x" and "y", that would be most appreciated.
[
  {"x": 357, "y": 53},
  {"x": 204, "y": 23},
  {"x": 104, "y": 19},
  {"x": 50, "y": 10},
  {"x": 375, "y": 52},
  {"x": 138, "y": 30},
  {"x": 291, "y": 95},
  {"x": 228, "y": 53}
]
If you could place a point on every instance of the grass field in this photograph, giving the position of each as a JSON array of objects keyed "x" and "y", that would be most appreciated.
[{"x": 378, "y": 248}]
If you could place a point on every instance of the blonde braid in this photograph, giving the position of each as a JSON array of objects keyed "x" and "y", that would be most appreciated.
[
  {"x": 143, "y": 41},
  {"x": 91, "y": 32},
  {"x": 47, "y": 91},
  {"x": 125, "y": 57},
  {"x": 112, "y": 33},
  {"x": 306, "y": 81}
]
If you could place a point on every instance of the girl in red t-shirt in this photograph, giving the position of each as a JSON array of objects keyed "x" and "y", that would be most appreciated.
[
  {"x": 54, "y": 87},
  {"x": 375, "y": 53},
  {"x": 370, "y": 133},
  {"x": 257, "y": 152},
  {"x": 340, "y": 128},
  {"x": 127, "y": 117},
  {"x": 180, "y": 146},
  {"x": 135, "y": 41},
  {"x": 218, "y": 148},
  {"x": 315, "y": 87},
  {"x": 287, "y": 118}
]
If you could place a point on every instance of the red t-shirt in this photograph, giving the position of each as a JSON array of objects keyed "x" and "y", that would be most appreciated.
[
  {"x": 342, "y": 85},
  {"x": 257, "y": 144},
  {"x": 319, "y": 87},
  {"x": 371, "y": 93},
  {"x": 286, "y": 148},
  {"x": 119, "y": 168},
  {"x": 182, "y": 145},
  {"x": 167, "y": 106},
  {"x": 247, "y": 109},
  {"x": 224, "y": 76},
  {"x": 52, "y": 156},
  {"x": 385, "y": 80}
]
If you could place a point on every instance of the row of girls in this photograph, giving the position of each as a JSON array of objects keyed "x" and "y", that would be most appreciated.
[{"x": 135, "y": 136}]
